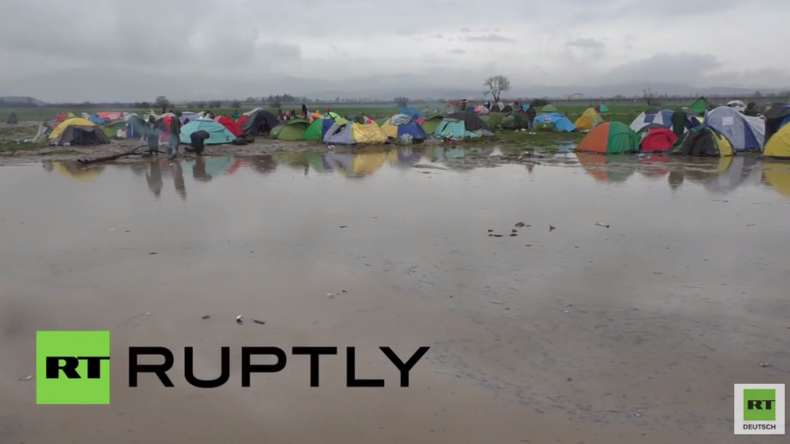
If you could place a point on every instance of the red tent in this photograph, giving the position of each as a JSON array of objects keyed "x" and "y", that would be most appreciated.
[
  {"x": 658, "y": 139},
  {"x": 241, "y": 120},
  {"x": 61, "y": 117},
  {"x": 228, "y": 123}
]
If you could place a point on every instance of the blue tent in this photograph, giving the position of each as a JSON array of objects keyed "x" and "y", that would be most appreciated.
[
  {"x": 744, "y": 133},
  {"x": 97, "y": 120},
  {"x": 218, "y": 133},
  {"x": 413, "y": 129},
  {"x": 558, "y": 121},
  {"x": 411, "y": 112}
]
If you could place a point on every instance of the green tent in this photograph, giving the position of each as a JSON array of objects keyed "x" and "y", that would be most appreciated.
[
  {"x": 549, "y": 109},
  {"x": 382, "y": 121},
  {"x": 700, "y": 106},
  {"x": 290, "y": 130},
  {"x": 431, "y": 123},
  {"x": 514, "y": 121},
  {"x": 602, "y": 109},
  {"x": 111, "y": 130}
]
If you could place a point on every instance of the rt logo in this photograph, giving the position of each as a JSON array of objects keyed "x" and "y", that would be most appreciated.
[
  {"x": 73, "y": 367},
  {"x": 759, "y": 409}
]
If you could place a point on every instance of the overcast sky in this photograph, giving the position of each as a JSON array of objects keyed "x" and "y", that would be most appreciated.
[{"x": 453, "y": 43}]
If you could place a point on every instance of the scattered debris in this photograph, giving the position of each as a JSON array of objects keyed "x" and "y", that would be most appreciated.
[
  {"x": 26, "y": 378},
  {"x": 552, "y": 228},
  {"x": 752, "y": 225},
  {"x": 764, "y": 364},
  {"x": 490, "y": 231},
  {"x": 638, "y": 415},
  {"x": 528, "y": 245},
  {"x": 330, "y": 295},
  {"x": 259, "y": 322},
  {"x": 514, "y": 231},
  {"x": 513, "y": 235},
  {"x": 521, "y": 225},
  {"x": 344, "y": 291},
  {"x": 497, "y": 302},
  {"x": 497, "y": 235},
  {"x": 206, "y": 317},
  {"x": 598, "y": 224},
  {"x": 239, "y": 319},
  {"x": 566, "y": 312},
  {"x": 344, "y": 226},
  {"x": 152, "y": 253},
  {"x": 570, "y": 379}
]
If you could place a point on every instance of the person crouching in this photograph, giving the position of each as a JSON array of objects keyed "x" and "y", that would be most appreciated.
[{"x": 197, "y": 142}]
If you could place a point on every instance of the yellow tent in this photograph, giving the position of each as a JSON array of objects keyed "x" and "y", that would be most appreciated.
[
  {"x": 368, "y": 134},
  {"x": 67, "y": 123},
  {"x": 390, "y": 130},
  {"x": 779, "y": 144},
  {"x": 588, "y": 120}
]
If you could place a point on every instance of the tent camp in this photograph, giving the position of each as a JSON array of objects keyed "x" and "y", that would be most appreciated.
[
  {"x": 779, "y": 144},
  {"x": 610, "y": 138},
  {"x": 652, "y": 116},
  {"x": 77, "y": 131},
  {"x": 218, "y": 134},
  {"x": 259, "y": 122},
  {"x": 430, "y": 124},
  {"x": 230, "y": 124},
  {"x": 317, "y": 130},
  {"x": 352, "y": 133},
  {"x": 290, "y": 130},
  {"x": 554, "y": 122},
  {"x": 403, "y": 128},
  {"x": 700, "y": 106},
  {"x": 549, "y": 109},
  {"x": 744, "y": 133},
  {"x": 462, "y": 125},
  {"x": 704, "y": 142},
  {"x": 588, "y": 120},
  {"x": 657, "y": 139}
]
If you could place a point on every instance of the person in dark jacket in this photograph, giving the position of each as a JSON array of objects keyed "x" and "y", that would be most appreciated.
[
  {"x": 197, "y": 142},
  {"x": 152, "y": 136},
  {"x": 304, "y": 112},
  {"x": 751, "y": 110},
  {"x": 531, "y": 114},
  {"x": 175, "y": 135}
]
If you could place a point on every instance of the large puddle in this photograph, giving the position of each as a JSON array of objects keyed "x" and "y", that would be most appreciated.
[{"x": 567, "y": 332}]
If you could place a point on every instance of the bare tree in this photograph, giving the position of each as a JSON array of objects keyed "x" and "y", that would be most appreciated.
[
  {"x": 496, "y": 85},
  {"x": 235, "y": 104},
  {"x": 162, "y": 102},
  {"x": 649, "y": 96}
]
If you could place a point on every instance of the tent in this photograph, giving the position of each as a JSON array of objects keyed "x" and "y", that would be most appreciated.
[
  {"x": 602, "y": 109},
  {"x": 290, "y": 130},
  {"x": 700, "y": 106},
  {"x": 737, "y": 105},
  {"x": 514, "y": 121},
  {"x": 682, "y": 121},
  {"x": 779, "y": 144},
  {"x": 259, "y": 122},
  {"x": 704, "y": 142},
  {"x": 775, "y": 118},
  {"x": 230, "y": 125},
  {"x": 430, "y": 124},
  {"x": 744, "y": 133},
  {"x": 662, "y": 117},
  {"x": 658, "y": 139},
  {"x": 116, "y": 130},
  {"x": 218, "y": 134},
  {"x": 610, "y": 138},
  {"x": 462, "y": 125},
  {"x": 588, "y": 120},
  {"x": 549, "y": 109},
  {"x": 317, "y": 130},
  {"x": 353, "y": 133},
  {"x": 403, "y": 127},
  {"x": 411, "y": 112},
  {"x": 554, "y": 122},
  {"x": 12, "y": 119},
  {"x": 77, "y": 131}
]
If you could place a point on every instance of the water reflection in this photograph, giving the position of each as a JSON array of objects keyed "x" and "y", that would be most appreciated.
[{"x": 716, "y": 175}]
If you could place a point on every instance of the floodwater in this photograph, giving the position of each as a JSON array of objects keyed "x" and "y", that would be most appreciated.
[{"x": 634, "y": 333}]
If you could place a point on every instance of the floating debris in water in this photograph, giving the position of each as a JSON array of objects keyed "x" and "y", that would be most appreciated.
[
  {"x": 490, "y": 231},
  {"x": 764, "y": 364},
  {"x": 26, "y": 378},
  {"x": 521, "y": 225},
  {"x": 152, "y": 253},
  {"x": 638, "y": 415},
  {"x": 552, "y": 228},
  {"x": 330, "y": 295},
  {"x": 239, "y": 319},
  {"x": 513, "y": 235},
  {"x": 206, "y": 317},
  {"x": 514, "y": 231},
  {"x": 344, "y": 226},
  {"x": 497, "y": 235},
  {"x": 599, "y": 224},
  {"x": 258, "y": 322}
]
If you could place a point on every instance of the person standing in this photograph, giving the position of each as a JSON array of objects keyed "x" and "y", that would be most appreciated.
[
  {"x": 304, "y": 111},
  {"x": 175, "y": 135},
  {"x": 152, "y": 137}
]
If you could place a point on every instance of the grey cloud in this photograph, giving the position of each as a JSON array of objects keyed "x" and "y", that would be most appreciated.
[
  {"x": 667, "y": 68},
  {"x": 586, "y": 43},
  {"x": 465, "y": 30},
  {"x": 458, "y": 51},
  {"x": 437, "y": 36},
  {"x": 490, "y": 38}
]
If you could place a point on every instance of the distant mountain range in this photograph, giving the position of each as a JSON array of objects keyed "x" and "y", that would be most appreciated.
[
  {"x": 12, "y": 100},
  {"x": 106, "y": 84}
]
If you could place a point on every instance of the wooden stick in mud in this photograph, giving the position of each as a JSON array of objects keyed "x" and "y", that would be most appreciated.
[{"x": 113, "y": 157}]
